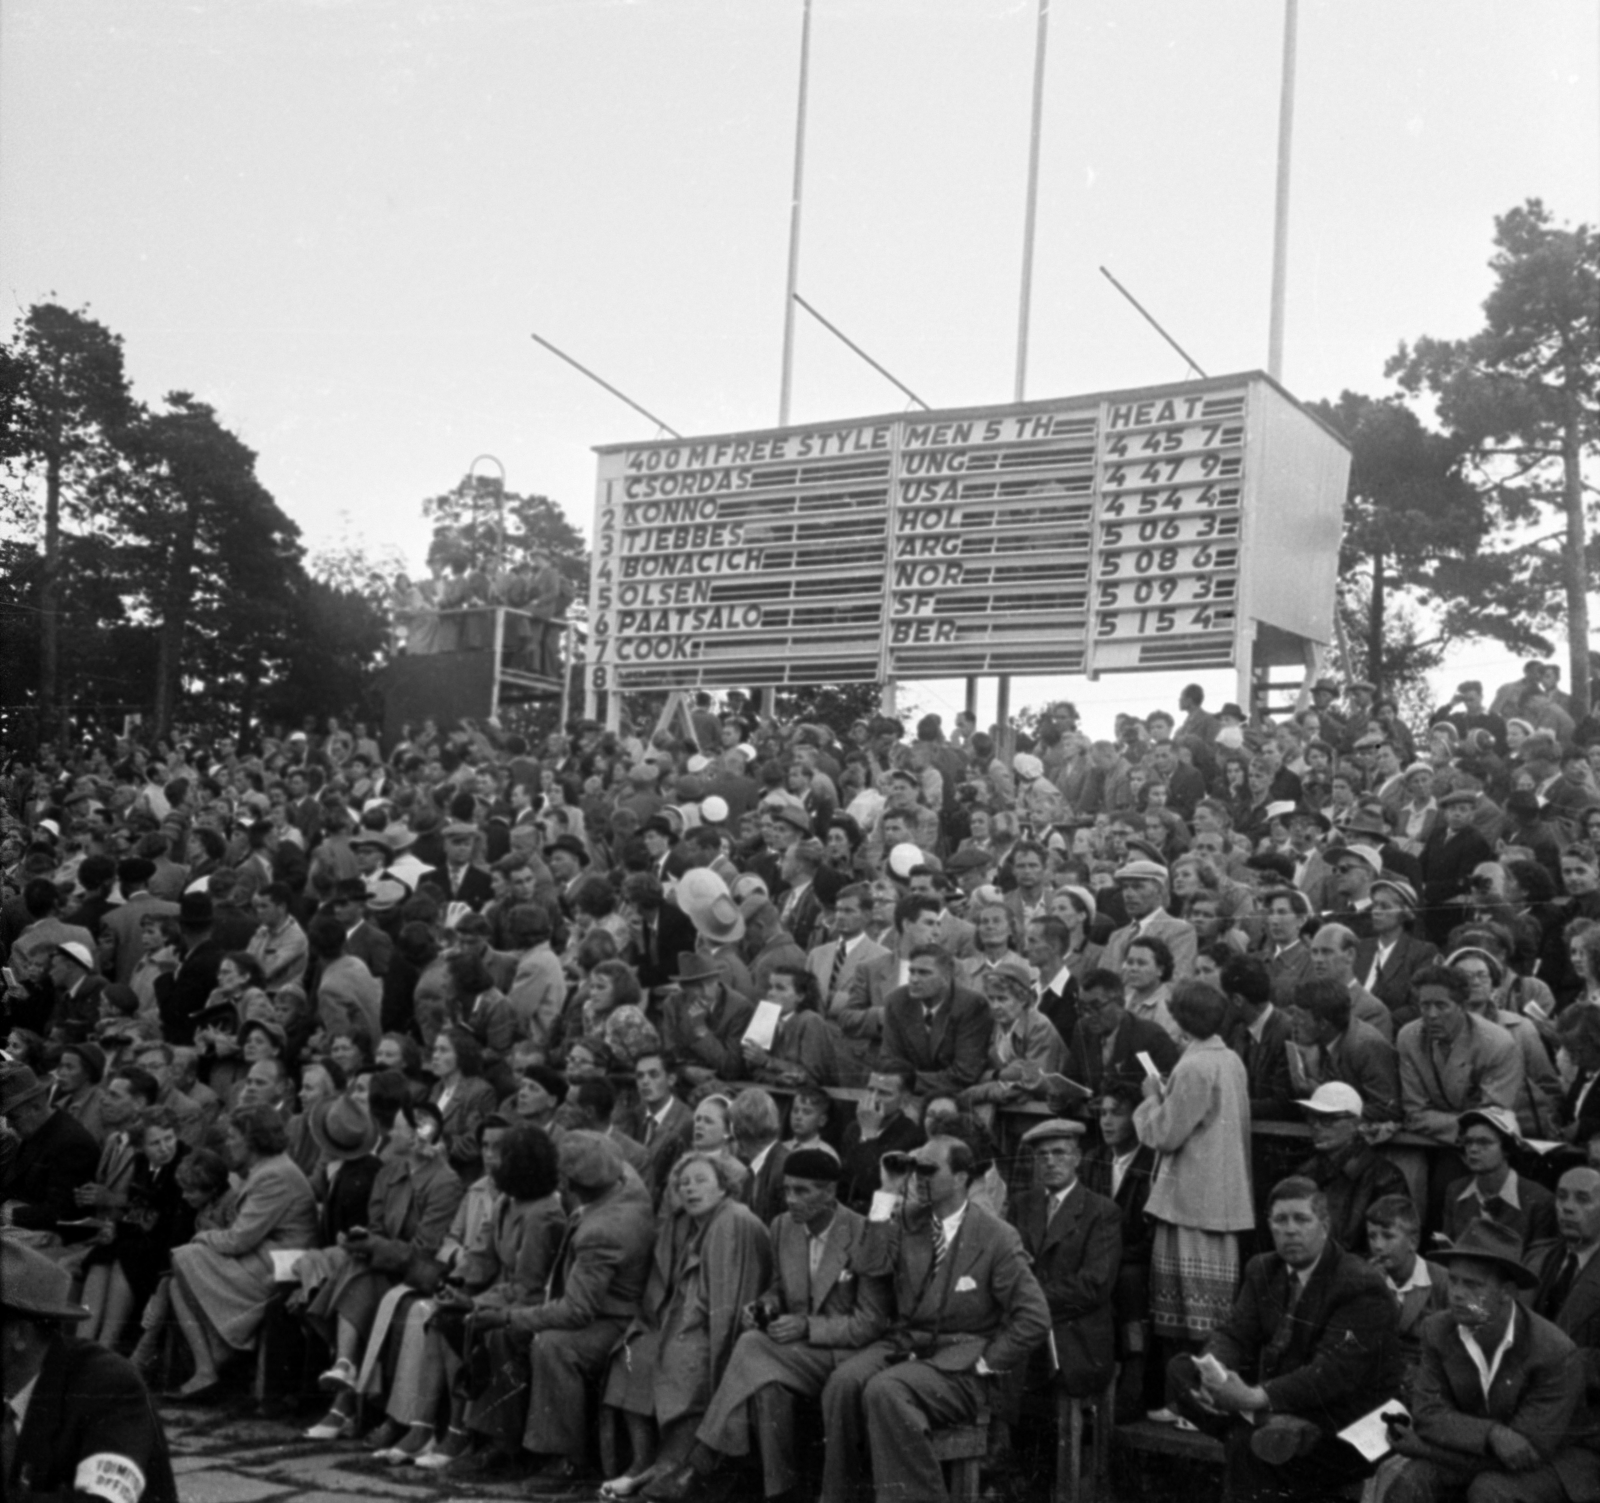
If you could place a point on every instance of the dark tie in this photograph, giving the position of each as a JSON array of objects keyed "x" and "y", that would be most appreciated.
[
  {"x": 650, "y": 1126},
  {"x": 1556, "y": 1297},
  {"x": 837, "y": 973},
  {"x": 8, "y": 1444}
]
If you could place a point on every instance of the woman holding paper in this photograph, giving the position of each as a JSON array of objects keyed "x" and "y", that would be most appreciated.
[
  {"x": 1199, "y": 1122},
  {"x": 789, "y": 1042}
]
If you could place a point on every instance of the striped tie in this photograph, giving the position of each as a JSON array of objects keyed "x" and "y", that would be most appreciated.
[{"x": 940, "y": 1246}]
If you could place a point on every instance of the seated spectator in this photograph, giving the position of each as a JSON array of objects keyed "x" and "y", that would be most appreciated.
[
  {"x": 564, "y": 1341},
  {"x": 223, "y": 1278},
  {"x": 806, "y": 1049},
  {"x": 1420, "y": 1288},
  {"x": 412, "y": 1203},
  {"x": 1120, "y": 1168},
  {"x": 1488, "y": 1139},
  {"x": 56, "y": 1155},
  {"x": 1109, "y": 1040},
  {"x": 1073, "y": 1241},
  {"x": 1261, "y": 1034},
  {"x": 883, "y": 1123},
  {"x": 425, "y": 1366},
  {"x": 464, "y": 1098},
  {"x": 78, "y": 1092},
  {"x": 1147, "y": 970},
  {"x": 709, "y": 1265},
  {"x": 1335, "y": 1045},
  {"x": 819, "y": 1308},
  {"x": 1310, "y": 1345},
  {"x": 510, "y": 1273},
  {"x": 1451, "y": 1061},
  {"x": 1024, "y": 1046},
  {"x": 1538, "y": 1103},
  {"x": 1343, "y": 1166},
  {"x": 966, "y": 1308},
  {"x": 810, "y": 1116},
  {"x": 1525, "y": 1436}
]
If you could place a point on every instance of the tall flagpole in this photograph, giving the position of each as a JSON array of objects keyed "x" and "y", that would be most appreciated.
[
  {"x": 787, "y": 387},
  {"x": 1025, "y": 300},
  {"x": 1025, "y": 297},
  {"x": 1280, "y": 227}
]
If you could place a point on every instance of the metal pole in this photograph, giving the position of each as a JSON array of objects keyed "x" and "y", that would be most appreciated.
[
  {"x": 600, "y": 381},
  {"x": 1280, "y": 225},
  {"x": 1025, "y": 301},
  {"x": 786, "y": 388},
  {"x": 850, "y": 344}
]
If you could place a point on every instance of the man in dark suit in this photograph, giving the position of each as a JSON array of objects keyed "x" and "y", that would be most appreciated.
[
  {"x": 1120, "y": 1168},
  {"x": 968, "y": 1310},
  {"x": 181, "y": 994},
  {"x": 1499, "y": 1412},
  {"x": 937, "y": 1028},
  {"x": 754, "y": 1121},
  {"x": 56, "y": 1156},
  {"x": 458, "y": 880},
  {"x": 366, "y": 941},
  {"x": 820, "y": 1309},
  {"x": 1073, "y": 1239},
  {"x": 665, "y": 1122},
  {"x": 1451, "y": 855},
  {"x": 860, "y": 1018},
  {"x": 1385, "y": 963},
  {"x": 1346, "y": 1048},
  {"x": 1260, "y": 1034},
  {"x": 1310, "y": 1345},
  {"x": 1108, "y": 1040},
  {"x": 1568, "y": 1291},
  {"x": 85, "y": 1426},
  {"x": 1285, "y": 952},
  {"x": 881, "y": 1125},
  {"x": 1046, "y": 944}
]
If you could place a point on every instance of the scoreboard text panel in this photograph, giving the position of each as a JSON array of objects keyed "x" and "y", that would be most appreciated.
[{"x": 1083, "y": 535}]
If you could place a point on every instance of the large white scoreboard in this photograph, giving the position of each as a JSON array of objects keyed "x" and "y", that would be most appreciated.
[{"x": 1163, "y": 527}]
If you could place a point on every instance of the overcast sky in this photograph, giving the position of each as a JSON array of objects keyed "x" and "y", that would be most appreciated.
[{"x": 340, "y": 220}]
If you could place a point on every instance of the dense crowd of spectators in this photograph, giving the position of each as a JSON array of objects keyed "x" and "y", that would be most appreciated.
[{"x": 682, "y": 1081}]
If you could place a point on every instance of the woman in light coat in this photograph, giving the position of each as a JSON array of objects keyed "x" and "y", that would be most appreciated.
[{"x": 1198, "y": 1120}]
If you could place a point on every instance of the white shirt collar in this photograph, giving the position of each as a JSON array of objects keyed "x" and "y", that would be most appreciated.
[
  {"x": 1487, "y": 1368},
  {"x": 1420, "y": 1278},
  {"x": 19, "y": 1400},
  {"x": 1507, "y": 1192},
  {"x": 761, "y": 1158},
  {"x": 1259, "y": 1027},
  {"x": 1059, "y": 982},
  {"x": 952, "y": 1224}
]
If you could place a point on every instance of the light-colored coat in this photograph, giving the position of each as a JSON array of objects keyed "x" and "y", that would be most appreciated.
[
  {"x": 1177, "y": 935},
  {"x": 349, "y": 997},
  {"x": 1482, "y": 1068},
  {"x": 1201, "y": 1128}
]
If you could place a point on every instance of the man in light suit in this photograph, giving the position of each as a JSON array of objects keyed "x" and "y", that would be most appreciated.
[
  {"x": 860, "y": 1018},
  {"x": 1499, "y": 1412},
  {"x": 820, "y": 1309},
  {"x": 1073, "y": 1239},
  {"x": 956, "y": 935},
  {"x": 968, "y": 1311},
  {"x": 1143, "y": 885},
  {"x": 836, "y": 964},
  {"x": 1452, "y": 1060}
]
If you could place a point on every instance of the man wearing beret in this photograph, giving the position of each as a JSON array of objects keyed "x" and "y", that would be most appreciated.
[
  {"x": 76, "y": 1421},
  {"x": 818, "y": 1311},
  {"x": 565, "y": 1343},
  {"x": 1073, "y": 1239}
]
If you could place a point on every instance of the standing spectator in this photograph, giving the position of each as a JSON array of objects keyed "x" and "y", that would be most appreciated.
[{"x": 1199, "y": 1121}]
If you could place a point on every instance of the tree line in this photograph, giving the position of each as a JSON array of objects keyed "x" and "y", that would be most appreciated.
[{"x": 144, "y": 568}]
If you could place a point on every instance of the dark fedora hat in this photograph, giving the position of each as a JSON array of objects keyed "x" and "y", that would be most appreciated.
[
  {"x": 341, "y": 1129},
  {"x": 1486, "y": 1241},
  {"x": 32, "y": 1284},
  {"x": 693, "y": 966}
]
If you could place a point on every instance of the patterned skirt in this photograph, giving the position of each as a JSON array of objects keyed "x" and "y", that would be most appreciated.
[{"x": 1193, "y": 1277}]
